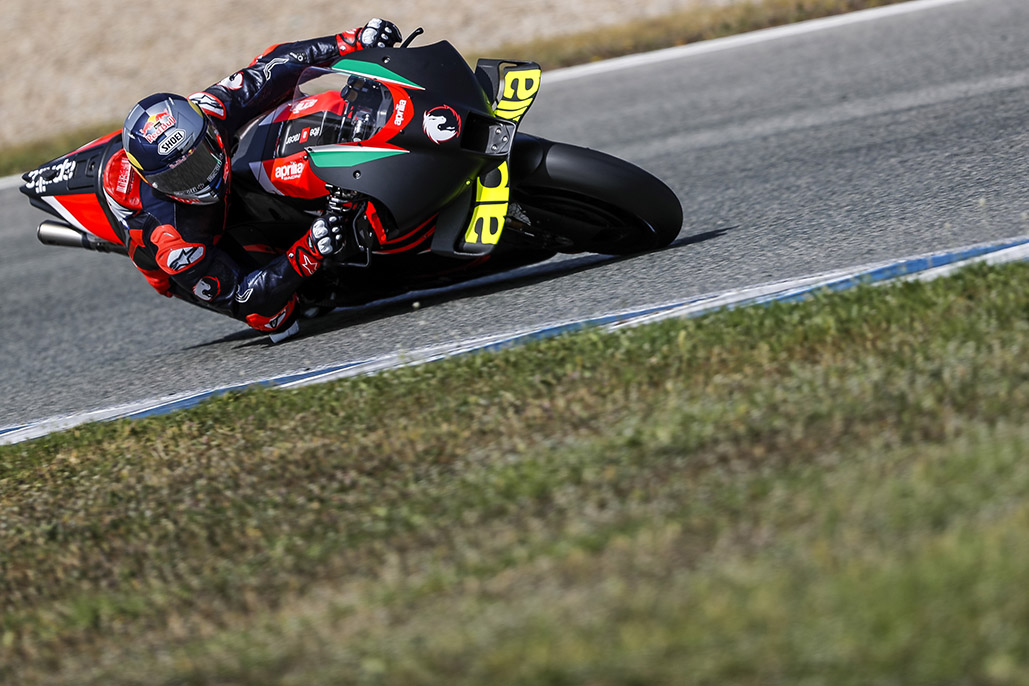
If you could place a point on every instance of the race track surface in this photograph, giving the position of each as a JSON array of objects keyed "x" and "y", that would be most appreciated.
[{"x": 792, "y": 155}]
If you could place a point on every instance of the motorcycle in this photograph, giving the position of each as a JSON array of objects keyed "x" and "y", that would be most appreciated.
[{"x": 428, "y": 147}]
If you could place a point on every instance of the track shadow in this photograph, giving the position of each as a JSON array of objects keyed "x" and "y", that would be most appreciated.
[{"x": 519, "y": 277}]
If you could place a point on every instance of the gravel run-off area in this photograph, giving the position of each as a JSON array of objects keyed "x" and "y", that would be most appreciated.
[{"x": 69, "y": 64}]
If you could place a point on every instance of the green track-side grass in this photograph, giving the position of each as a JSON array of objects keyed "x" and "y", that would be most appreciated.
[
  {"x": 688, "y": 26},
  {"x": 829, "y": 492}
]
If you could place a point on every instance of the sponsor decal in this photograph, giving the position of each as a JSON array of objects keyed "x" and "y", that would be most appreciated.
[
  {"x": 401, "y": 109},
  {"x": 304, "y": 105},
  {"x": 124, "y": 182},
  {"x": 291, "y": 171},
  {"x": 520, "y": 87},
  {"x": 121, "y": 185},
  {"x": 232, "y": 83},
  {"x": 156, "y": 124},
  {"x": 40, "y": 178},
  {"x": 171, "y": 140},
  {"x": 242, "y": 297},
  {"x": 303, "y": 136},
  {"x": 181, "y": 259},
  {"x": 207, "y": 288},
  {"x": 303, "y": 258},
  {"x": 209, "y": 104},
  {"x": 307, "y": 264},
  {"x": 275, "y": 321},
  {"x": 174, "y": 254},
  {"x": 441, "y": 124},
  {"x": 268, "y": 66},
  {"x": 492, "y": 193},
  {"x": 262, "y": 323}
]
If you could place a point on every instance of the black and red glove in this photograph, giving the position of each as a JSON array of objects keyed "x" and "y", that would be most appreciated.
[
  {"x": 324, "y": 238},
  {"x": 377, "y": 33}
]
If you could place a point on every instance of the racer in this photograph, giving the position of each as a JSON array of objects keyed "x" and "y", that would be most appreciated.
[{"x": 181, "y": 147}]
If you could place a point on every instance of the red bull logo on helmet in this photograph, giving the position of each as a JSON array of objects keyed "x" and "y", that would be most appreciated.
[{"x": 156, "y": 124}]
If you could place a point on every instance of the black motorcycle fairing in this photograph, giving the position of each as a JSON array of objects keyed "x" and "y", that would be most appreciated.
[{"x": 440, "y": 171}]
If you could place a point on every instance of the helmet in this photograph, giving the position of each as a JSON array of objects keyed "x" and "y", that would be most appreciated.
[{"x": 176, "y": 149}]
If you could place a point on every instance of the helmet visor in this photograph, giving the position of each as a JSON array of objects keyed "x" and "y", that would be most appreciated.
[{"x": 197, "y": 175}]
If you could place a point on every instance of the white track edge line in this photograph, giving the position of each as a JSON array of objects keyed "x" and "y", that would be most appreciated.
[{"x": 760, "y": 293}]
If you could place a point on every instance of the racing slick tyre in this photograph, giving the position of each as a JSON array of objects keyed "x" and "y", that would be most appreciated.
[{"x": 574, "y": 199}]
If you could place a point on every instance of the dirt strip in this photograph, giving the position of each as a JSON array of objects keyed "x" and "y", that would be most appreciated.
[{"x": 69, "y": 64}]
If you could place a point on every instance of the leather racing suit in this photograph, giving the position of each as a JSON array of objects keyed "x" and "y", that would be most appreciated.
[{"x": 176, "y": 244}]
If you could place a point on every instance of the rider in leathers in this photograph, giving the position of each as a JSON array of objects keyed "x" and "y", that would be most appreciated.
[{"x": 180, "y": 149}]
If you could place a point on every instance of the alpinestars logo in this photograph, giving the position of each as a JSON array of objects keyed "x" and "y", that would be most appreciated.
[
  {"x": 181, "y": 259},
  {"x": 173, "y": 253},
  {"x": 305, "y": 259},
  {"x": 209, "y": 104},
  {"x": 441, "y": 124}
]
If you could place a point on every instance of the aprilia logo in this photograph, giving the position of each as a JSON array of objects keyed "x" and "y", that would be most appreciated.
[
  {"x": 290, "y": 172},
  {"x": 398, "y": 119}
]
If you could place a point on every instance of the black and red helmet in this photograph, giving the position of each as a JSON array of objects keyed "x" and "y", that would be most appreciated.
[{"x": 176, "y": 149}]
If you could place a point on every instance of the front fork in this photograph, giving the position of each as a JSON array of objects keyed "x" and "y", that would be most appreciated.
[{"x": 348, "y": 204}]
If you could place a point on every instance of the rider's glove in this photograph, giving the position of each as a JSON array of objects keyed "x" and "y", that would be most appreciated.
[
  {"x": 325, "y": 237},
  {"x": 379, "y": 33},
  {"x": 327, "y": 234}
]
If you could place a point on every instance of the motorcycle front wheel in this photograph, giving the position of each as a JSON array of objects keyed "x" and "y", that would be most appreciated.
[{"x": 573, "y": 199}]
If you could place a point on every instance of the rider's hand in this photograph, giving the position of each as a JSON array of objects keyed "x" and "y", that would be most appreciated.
[
  {"x": 327, "y": 235},
  {"x": 324, "y": 238},
  {"x": 379, "y": 33}
]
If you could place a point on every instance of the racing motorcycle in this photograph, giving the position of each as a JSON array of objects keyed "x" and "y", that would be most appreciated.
[{"x": 428, "y": 146}]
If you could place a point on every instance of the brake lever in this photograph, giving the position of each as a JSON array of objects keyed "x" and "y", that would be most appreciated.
[{"x": 414, "y": 34}]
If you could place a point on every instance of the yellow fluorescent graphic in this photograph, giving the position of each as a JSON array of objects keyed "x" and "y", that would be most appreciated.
[
  {"x": 490, "y": 207},
  {"x": 493, "y": 190}
]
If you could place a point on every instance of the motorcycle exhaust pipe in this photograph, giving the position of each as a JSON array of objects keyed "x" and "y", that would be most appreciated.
[{"x": 56, "y": 233}]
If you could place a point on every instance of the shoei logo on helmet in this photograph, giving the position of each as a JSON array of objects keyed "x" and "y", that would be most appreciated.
[
  {"x": 171, "y": 140},
  {"x": 156, "y": 124},
  {"x": 441, "y": 124}
]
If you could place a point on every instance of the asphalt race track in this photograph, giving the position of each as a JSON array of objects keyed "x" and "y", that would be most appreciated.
[{"x": 793, "y": 153}]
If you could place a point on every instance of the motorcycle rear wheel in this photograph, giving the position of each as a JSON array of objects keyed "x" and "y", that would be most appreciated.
[{"x": 574, "y": 199}]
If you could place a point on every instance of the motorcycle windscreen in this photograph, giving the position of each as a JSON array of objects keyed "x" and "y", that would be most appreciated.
[
  {"x": 381, "y": 150},
  {"x": 344, "y": 108}
]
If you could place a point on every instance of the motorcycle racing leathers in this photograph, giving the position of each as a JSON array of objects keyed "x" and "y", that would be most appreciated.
[{"x": 176, "y": 244}]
